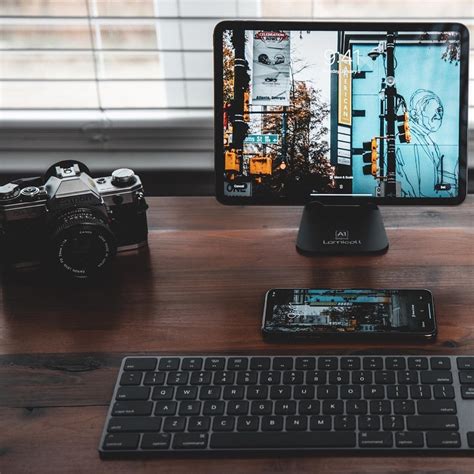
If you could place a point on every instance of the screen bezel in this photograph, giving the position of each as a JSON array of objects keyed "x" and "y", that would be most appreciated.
[
  {"x": 427, "y": 333},
  {"x": 328, "y": 26}
]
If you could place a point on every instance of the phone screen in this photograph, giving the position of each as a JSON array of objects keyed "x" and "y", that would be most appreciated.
[{"x": 307, "y": 312}]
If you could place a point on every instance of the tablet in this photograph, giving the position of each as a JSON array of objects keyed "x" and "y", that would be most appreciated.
[{"x": 340, "y": 112}]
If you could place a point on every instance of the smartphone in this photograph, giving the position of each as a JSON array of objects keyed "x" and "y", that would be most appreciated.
[{"x": 349, "y": 314}]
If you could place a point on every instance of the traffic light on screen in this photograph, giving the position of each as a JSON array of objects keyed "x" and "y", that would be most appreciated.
[
  {"x": 371, "y": 156},
  {"x": 404, "y": 133}
]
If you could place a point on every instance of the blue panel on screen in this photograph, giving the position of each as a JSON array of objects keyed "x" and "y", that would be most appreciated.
[{"x": 430, "y": 86}]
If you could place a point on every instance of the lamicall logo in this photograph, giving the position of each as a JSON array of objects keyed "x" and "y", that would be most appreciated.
[{"x": 341, "y": 237}]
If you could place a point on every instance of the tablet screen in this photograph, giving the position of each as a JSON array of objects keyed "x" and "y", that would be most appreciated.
[{"x": 310, "y": 114}]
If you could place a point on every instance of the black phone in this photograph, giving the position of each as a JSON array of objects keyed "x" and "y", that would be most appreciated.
[{"x": 349, "y": 314}]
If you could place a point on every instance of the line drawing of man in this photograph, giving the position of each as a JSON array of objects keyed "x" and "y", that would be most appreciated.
[{"x": 426, "y": 113}]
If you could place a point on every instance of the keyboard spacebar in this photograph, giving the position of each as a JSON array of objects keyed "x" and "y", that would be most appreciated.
[{"x": 305, "y": 439}]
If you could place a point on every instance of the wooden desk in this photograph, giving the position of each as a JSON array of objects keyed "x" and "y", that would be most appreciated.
[{"x": 200, "y": 289}]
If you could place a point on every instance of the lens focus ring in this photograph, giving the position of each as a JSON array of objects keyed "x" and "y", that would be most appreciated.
[{"x": 81, "y": 242}]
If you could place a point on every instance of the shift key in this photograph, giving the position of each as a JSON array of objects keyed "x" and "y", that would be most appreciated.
[{"x": 427, "y": 422}]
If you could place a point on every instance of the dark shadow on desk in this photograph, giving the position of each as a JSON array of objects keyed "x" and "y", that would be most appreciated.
[{"x": 73, "y": 306}]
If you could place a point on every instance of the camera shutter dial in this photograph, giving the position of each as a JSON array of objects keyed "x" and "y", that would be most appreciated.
[
  {"x": 30, "y": 192},
  {"x": 123, "y": 177}
]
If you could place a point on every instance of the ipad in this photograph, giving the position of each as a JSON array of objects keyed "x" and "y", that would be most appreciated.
[{"x": 340, "y": 112}]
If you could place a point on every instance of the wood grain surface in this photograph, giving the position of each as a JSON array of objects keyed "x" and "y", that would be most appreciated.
[{"x": 199, "y": 288}]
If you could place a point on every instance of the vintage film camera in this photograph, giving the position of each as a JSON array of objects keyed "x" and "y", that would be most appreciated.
[{"x": 70, "y": 221}]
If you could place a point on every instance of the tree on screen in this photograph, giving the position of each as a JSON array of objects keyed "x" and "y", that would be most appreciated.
[
  {"x": 304, "y": 166},
  {"x": 228, "y": 57}
]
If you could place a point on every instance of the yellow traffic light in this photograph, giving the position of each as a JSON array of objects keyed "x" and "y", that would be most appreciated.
[
  {"x": 404, "y": 129},
  {"x": 232, "y": 161},
  {"x": 260, "y": 166},
  {"x": 246, "y": 106},
  {"x": 371, "y": 156},
  {"x": 374, "y": 156}
]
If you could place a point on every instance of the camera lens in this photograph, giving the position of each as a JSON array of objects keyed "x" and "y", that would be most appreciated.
[{"x": 81, "y": 243}]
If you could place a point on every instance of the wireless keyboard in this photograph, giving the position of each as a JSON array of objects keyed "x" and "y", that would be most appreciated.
[{"x": 192, "y": 404}]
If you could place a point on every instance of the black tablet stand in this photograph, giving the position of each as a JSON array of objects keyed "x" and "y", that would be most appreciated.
[{"x": 332, "y": 230}]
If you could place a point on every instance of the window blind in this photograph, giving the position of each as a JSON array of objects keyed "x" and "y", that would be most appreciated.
[{"x": 106, "y": 74}]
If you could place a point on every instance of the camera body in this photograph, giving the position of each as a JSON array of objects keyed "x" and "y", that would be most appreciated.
[{"x": 71, "y": 221}]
